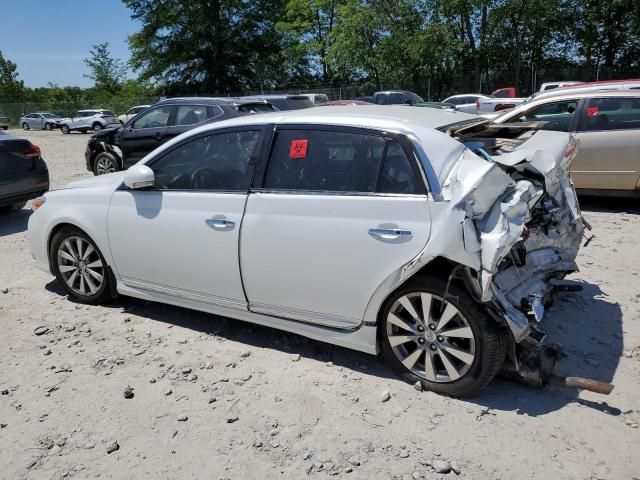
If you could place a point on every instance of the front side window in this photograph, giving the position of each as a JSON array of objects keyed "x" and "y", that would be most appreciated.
[
  {"x": 614, "y": 113},
  {"x": 218, "y": 162},
  {"x": 558, "y": 115},
  {"x": 154, "y": 118},
  {"x": 320, "y": 160},
  {"x": 190, "y": 114},
  {"x": 399, "y": 99}
]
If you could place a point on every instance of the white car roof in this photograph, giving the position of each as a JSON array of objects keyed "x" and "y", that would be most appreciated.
[
  {"x": 419, "y": 122},
  {"x": 477, "y": 95}
]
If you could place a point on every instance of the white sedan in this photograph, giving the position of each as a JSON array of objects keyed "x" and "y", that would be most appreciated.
[{"x": 374, "y": 228}]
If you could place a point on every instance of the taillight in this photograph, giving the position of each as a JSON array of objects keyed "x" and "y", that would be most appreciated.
[{"x": 32, "y": 151}]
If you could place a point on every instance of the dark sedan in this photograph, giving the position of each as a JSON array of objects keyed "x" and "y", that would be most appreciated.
[
  {"x": 114, "y": 149},
  {"x": 23, "y": 172}
]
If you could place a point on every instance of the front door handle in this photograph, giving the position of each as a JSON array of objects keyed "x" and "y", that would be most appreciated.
[
  {"x": 390, "y": 233},
  {"x": 219, "y": 223}
]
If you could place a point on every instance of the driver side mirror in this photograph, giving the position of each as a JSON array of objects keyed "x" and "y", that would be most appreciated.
[{"x": 138, "y": 177}]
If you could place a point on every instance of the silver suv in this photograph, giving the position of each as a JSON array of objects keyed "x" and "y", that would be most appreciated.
[{"x": 84, "y": 120}]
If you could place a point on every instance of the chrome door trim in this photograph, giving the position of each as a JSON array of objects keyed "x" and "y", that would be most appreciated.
[
  {"x": 305, "y": 316},
  {"x": 185, "y": 294}
]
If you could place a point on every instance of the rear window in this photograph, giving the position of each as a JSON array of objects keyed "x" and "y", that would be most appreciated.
[{"x": 611, "y": 114}]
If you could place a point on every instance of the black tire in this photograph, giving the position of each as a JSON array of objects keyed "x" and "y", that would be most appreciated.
[
  {"x": 25, "y": 126},
  {"x": 104, "y": 292},
  {"x": 100, "y": 162},
  {"x": 65, "y": 129},
  {"x": 5, "y": 128},
  {"x": 47, "y": 126},
  {"x": 97, "y": 126},
  {"x": 489, "y": 339},
  {"x": 84, "y": 131}
]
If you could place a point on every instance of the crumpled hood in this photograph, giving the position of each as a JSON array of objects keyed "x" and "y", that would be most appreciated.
[{"x": 108, "y": 179}]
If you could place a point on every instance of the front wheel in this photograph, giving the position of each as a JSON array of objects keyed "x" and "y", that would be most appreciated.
[
  {"x": 451, "y": 346},
  {"x": 65, "y": 129},
  {"x": 96, "y": 127},
  {"x": 47, "y": 126},
  {"x": 80, "y": 267},
  {"x": 25, "y": 126},
  {"x": 105, "y": 163}
]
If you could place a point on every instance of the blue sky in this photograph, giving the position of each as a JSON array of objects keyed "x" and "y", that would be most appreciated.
[{"x": 49, "y": 39}]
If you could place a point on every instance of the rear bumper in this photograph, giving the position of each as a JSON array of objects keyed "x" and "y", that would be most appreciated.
[{"x": 24, "y": 187}]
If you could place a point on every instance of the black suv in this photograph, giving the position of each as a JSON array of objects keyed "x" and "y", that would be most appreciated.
[
  {"x": 114, "y": 149},
  {"x": 396, "y": 97}
]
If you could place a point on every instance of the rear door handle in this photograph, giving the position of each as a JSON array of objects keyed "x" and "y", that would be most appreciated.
[
  {"x": 390, "y": 233},
  {"x": 219, "y": 223}
]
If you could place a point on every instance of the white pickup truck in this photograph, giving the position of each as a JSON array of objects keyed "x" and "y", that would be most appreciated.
[{"x": 502, "y": 99}]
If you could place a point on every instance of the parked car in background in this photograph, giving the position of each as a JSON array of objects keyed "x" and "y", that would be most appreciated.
[
  {"x": 607, "y": 125},
  {"x": 316, "y": 98},
  {"x": 608, "y": 85},
  {"x": 465, "y": 102},
  {"x": 283, "y": 102},
  {"x": 438, "y": 105},
  {"x": 4, "y": 122},
  {"x": 373, "y": 228},
  {"x": 23, "y": 172},
  {"x": 85, "y": 120},
  {"x": 343, "y": 102},
  {"x": 40, "y": 121},
  {"x": 396, "y": 97},
  {"x": 118, "y": 148},
  {"x": 132, "y": 112},
  {"x": 553, "y": 85},
  {"x": 499, "y": 100}
]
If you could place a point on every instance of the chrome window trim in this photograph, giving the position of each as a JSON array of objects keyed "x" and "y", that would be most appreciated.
[
  {"x": 334, "y": 193},
  {"x": 429, "y": 175}
]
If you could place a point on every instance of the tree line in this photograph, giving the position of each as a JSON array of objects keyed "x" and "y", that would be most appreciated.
[{"x": 428, "y": 46}]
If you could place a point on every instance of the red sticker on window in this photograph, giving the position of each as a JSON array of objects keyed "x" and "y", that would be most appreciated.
[
  {"x": 298, "y": 148},
  {"x": 592, "y": 111}
]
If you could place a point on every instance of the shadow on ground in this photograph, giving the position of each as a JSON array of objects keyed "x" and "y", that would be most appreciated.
[
  {"x": 14, "y": 222},
  {"x": 586, "y": 325},
  {"x": 609, "y": 204}
]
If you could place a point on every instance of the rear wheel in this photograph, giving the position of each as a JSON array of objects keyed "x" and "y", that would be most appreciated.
[
  {"x": 79, "y": 266},
  {"x": 25, "y": 126},
  {"x": 65, "y": 129},
  {"x": 47, "y": 126},
  {"x": 451, "y": 346},
  {"x": 105, "y": 163}
]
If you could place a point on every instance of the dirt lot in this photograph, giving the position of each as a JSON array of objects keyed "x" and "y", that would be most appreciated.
[{"x": 259, "y": 403}]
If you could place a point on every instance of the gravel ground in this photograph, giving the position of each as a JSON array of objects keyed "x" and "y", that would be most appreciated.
[{"x": 218, "y": 398}]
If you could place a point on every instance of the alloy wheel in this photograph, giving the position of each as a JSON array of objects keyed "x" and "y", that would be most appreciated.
[
  {"x": 431, "y": 337},
  {"x": 25, "y": 126},
  {"x": 81, "y": 266},
  {"x": 104, "y": 164}
]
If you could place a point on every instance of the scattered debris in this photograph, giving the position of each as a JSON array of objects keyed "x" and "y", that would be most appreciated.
[
  {"x": 232, "y": 419},
  {"x": 245, "y": 354},
  {"x": 183, "y": 418},
  {"x": 418, "y": 386},
  {"x": 440, "y": 466},
  {"x": 112, "y": 447},
  {"x": 385, "y": 397},
  {"x": 296, "y": 357},
  {"x": 41, "y": 330},
  {"x": 355, "y": 461},
  {"x": 128, "y": 392}
]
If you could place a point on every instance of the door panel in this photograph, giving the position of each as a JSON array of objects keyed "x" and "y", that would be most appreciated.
[
  {"x": 311, "y": 257},
  {"x": 608, "y": 160},
  {"x": 146, "y": 133},
  {"x": 180, "y": 243}
]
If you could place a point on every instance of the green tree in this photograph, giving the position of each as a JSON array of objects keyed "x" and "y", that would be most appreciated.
[
  {"x": 212, "y": 46},
  {"x": 107, "y": 72},
  {"x": 11, "y": 89}
]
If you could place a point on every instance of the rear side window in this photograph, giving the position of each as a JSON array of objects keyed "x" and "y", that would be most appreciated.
[
  {"x": 218, "y": 162},
  {"x": 610, "y": 114},
  {"x": 324, "y": 161},
  {"x": 396, "y": 175},
  {"x": 190, "y": 114}
]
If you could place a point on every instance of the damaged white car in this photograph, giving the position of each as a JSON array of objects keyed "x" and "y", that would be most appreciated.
[{"x": 430, "y": 237}]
